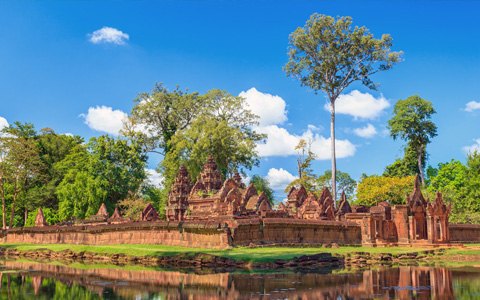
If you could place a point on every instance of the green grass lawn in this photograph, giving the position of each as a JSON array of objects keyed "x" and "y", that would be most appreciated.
[{"x": 261, "y": 254}]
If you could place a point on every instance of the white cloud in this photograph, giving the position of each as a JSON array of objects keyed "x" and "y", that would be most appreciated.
[
  {"x": 245, "y": 179},
  {"x": 472, "y": 105},
  {"x": 279, "y": 178},
  {"x": 270, "y": 108},
  {"x": 3, "y": 122},
  {"x": 108, "y": 35},
  {"x": 103, "y": 118},
  {"x": 281, "y": 143},
  {"x": 472, "y": 148},
  {"x": 366, "y": 132},
  {"x": 314, "y": 128},
  {"x": 155, "y": 178},
  {"x": 359, "y": 105}
]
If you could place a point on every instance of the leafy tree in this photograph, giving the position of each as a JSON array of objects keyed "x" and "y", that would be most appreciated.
[
  {"x": 328, "y": 55},
  {"x": 411, "y": 122},
  {"x": 222, "y": 128},
  {"x": 262, "y": 184},
  {"x": 20, "y": 164},
  {"x": 133, "y": 205},
  {"x": 53, "y": 148},
  {"x": 345, "y": 183},
  {"x": 375, "y": 189},
  {"x": 161, "y": 114},
  {"x": 472, "y": 177},
  {"x": 408, "y": 165},
  {"x": 106, "y": 170},
  {"x": 304, "y": 163}
]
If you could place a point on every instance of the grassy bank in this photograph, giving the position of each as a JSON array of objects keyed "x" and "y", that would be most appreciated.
[{"x": 260, "y": 254}]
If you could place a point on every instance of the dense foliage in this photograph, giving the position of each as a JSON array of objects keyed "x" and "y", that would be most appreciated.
[
  {"x": 374, "y": 189},
  {"x": 262, "y": 184},
  {"x": 460, "y": 184},
  {"x": 187, "y": 128},
  {"x": 69, "y": 178},
  {"x": 411, "y": 122}
]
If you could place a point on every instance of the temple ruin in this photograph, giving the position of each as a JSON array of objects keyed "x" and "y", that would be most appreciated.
[{"x": 218, "y": 213}]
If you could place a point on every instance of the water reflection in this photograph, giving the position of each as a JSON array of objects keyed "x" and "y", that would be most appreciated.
[{"x": 29, "y": 280}]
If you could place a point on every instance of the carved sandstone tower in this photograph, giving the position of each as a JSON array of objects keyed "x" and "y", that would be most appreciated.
[{"x": 177, "y": 197}]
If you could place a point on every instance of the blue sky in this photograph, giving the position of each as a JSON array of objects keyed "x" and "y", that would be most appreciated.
[{"x": 54, "y": 74}]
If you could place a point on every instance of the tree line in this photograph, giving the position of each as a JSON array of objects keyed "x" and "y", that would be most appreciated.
[{"x": 70, "y": 178}]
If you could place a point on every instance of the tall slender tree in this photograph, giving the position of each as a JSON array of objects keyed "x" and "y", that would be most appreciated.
[
  {"x": 411, "y": 122},
  {"x": 328, "y": 55}
]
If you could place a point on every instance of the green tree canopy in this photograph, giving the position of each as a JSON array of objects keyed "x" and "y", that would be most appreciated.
[
  {"x": 460, "y": 185},
  {"x": 408, "y": 165},
  {"x": 104, "y": 171},
  {"x": 262, "y": 184},
  {"x": 190, "y": 127},
  {"x": 374, "y": 189},
  {"x": 161, "y": 113},
  {"x": 20, "y": 165},
  {"x": 411, "y": 122},
  {"x": 328, "y": 55},
  {"x": 344, "y": 181}
]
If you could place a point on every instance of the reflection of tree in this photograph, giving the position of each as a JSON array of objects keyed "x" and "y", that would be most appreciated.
[{"x": 62, "y": 282}]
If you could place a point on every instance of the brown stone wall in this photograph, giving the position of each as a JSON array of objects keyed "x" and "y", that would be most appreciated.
[
  {"x": 283, "y": 230},
  {"x": 464, "y": 233},
  {"x": 196, "y": 234}
]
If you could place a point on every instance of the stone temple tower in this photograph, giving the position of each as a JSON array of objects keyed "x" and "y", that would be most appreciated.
[
  {"x": 211, "y": 177},
  {"x": 177, "y": 198}
]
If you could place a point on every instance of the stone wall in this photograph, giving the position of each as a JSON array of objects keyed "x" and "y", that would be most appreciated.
[
  {"x": 464, "y": 233},
  {"x": 201, "y": 234},
  {"x": 213, "y": 234},
  {"x": 282, "y": 230}
]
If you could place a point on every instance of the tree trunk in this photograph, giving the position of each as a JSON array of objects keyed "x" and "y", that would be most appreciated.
[
  {"x": 4, "y": 216},
  {"x": 332, "y": 142},
  {"x": 26, "y": 216},
  {"x": 11, "y": 216},
  {"x": 419, "y": 155},
  {"x": 2, "y": 186}
]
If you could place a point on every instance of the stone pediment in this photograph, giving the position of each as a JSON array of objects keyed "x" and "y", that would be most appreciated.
[
  {"x": 227, "y": 186},
  {"x": 149, "y": 213},
  {"x": 116, "y": 214},
  {"x": 249, "y": 192},
  {"x": 197, "y": 187},
  {"x": 40, "y": 219},
  {"x": 437, "y": 207},
  {"x": 324, "y": 195},
  {"x": 416, "y": 199},
  {"x": 343, "y": 205},
  {"x": 102, "y": 211}
]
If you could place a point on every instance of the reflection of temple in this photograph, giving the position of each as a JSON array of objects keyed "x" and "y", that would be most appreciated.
[
  {"x": 418, "y": 222},
  {"x": 405, "y": 283},
  {"x": 384, "y": 283}
]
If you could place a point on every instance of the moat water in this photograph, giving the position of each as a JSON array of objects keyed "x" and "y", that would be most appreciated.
[{"x": 22, "y": 279}]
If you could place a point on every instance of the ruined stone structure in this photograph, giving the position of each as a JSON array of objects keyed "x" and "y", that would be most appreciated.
[
  {"x": 40, "y": 219},
  {"x": 211, "y": 198},
  {"x": 218, "y": 213},
  {"x": 419, "y": 222}
]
